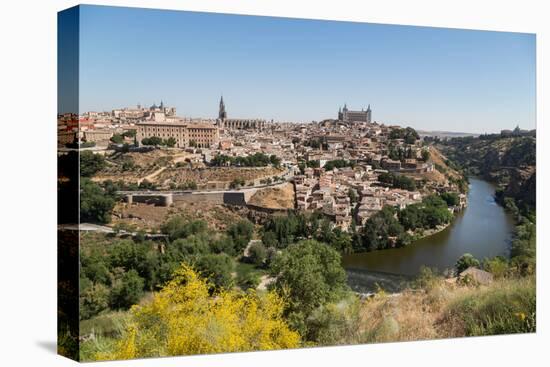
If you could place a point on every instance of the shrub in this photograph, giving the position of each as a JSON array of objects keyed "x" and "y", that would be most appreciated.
[
  {"x": 249, "y": 280},
  {"x": 183, "y": 319},
  {"x": 93, "y": 300},
  {"x": 310, "y": 274},
  {"x": 507, "y": 308},
  {"x": 466, "y": 261},
  {"x": 451, "y": 198},
  {"x": 241, "y": 234},
  {"x": 179, "y": 227},
  {"x": 95, "y": 204},
  {"x": 117, "y": 138},
  {"x": 90, "y": 163},
  {"x": 126, "y": 291},
  {"x": 498, "y": 266},
  {"x": 335, "y": 323},
  {"x": 257, "y": 254},
  {"x": 427, "y": 279},
  {"x": 218, "y": 269}
]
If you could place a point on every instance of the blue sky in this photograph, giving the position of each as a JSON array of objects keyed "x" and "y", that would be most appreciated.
[{"x": 303, "y": 70}]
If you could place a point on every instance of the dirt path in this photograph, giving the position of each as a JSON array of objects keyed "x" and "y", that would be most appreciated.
[{"x": 152, "y": 175}]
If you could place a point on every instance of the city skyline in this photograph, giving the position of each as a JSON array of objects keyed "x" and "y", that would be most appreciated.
[{"x": 303, "y": 70}]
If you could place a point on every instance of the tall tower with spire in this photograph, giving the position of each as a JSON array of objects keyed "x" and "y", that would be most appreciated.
[{"x": 222, "y": 114}]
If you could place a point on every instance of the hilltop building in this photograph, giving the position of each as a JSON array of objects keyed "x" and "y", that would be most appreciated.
[
  {"x": 196, "y": 134},
  {"x": 355, "y": 116},
  {"x": 517, "y": 132},
  {"x": 140, "y": 113},
  {"x": 237, "y": 124}
]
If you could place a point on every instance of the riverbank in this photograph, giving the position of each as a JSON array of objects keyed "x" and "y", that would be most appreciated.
[
  {"x": 483, "y": 229},
  {"x": 425, "y": 233}
]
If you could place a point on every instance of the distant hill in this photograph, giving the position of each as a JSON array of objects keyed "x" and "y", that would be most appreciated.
[
  {"x": 508, "y": 161},
  {"x": 445, "y": 134}
]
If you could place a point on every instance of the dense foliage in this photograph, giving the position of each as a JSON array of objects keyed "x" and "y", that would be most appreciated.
[
  {"x": 466, "y": 261},
  {"x": 96, "y": 203},
  {"x": 254, "y": 160},
  {"x": 408, "y": 134},
  {"x": 310, "y": 274},
  {"x": 338, "y": 163},
  {"x": 183, "y": 319},
  {"x": 90, "y": 163},
  {"x": 509, "y": 161},
  {"x": 388, "y": 227},
  {"x": 397, "y": 181},
  {"x": 156, "y": 141}
]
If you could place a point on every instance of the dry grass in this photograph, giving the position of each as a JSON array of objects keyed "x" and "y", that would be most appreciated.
[
  {"x": 146, "y": 217},
  {"x": 281, "y": 197},
  {"x": 447, "y": 310}
]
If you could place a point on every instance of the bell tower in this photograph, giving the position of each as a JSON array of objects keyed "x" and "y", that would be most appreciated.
[{"x": 222, "y": 114}]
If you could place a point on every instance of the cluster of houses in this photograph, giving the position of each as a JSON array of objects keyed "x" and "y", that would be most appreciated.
[
  {"x": 350, "y": 191},
  {"x": 332, "y": 192}
]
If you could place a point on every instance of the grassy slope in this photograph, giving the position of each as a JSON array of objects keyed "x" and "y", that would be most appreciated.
[{"x": 444, "y": 310}]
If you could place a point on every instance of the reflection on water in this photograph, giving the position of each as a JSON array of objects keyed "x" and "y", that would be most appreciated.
[{"x": 483, "y": 229}]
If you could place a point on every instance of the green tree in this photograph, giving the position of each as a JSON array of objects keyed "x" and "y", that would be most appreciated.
[
  {"x": 179, "y": 227},
  {"x": 381, "y": 231},
  {"x": 117, "y": 138},
  {"x": 223, "y": 243},
  {"x": 466, "y": 261},
  {"x": 275, "y": 161},
  {"x": 127, "y": 290},
  {"x": 411, "y": 217},
  {"x": 451, "y": 198},
  {"x": 436, "y": 216},
  {"x": 90, "y": 163},
  {"x": 269, "y": 238},
  {"x": 241, "y": 233},
  {"x": 170, "y": 142},
  {"x": 130, "y": 255},
  {"x": 95, "y": 204},
  {"x": 93, "y": 300},
  {"x": 257, "y": 254},
  {"x": 236, "y": 183},
  {"x": 217, "y": 268},
  {"x": 250, "y": 280},
  {"x": 498, "y": 266},
  {"x": 95, "y": 267},
  {"x": 310, "y": 274},
  {"x": 153, "y": 140}
]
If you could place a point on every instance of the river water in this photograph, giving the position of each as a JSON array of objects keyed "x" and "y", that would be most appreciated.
[{"x": 483, "y": 229}]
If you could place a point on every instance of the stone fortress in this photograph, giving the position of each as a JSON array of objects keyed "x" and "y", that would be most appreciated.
[{"x": 355, "y": 116}]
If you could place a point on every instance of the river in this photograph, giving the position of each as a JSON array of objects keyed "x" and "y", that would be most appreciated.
[{"x": 483, "y": 229}]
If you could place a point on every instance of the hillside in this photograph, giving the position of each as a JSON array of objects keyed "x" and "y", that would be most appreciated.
[
  {"x": 281, "y": 197},
  {"x": 510, "y": 162},
  {"x": 442, "y": 310}
]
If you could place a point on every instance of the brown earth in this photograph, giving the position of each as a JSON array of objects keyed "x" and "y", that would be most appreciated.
[
  {"x": 214, "y": 174},
  {"x": 151, "y": 217},
  {"x": 438, "y": 158},
  {"x": 437, "y": 176},
  {"x": 280, "y": 197},
  {"x": 177, "y": 170}
]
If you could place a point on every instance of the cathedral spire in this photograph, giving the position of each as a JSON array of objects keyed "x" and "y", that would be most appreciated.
[{"x": 222, "y": 114}]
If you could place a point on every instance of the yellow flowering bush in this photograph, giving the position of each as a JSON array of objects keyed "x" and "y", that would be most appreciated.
[{"x": 183, "y": 318}]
